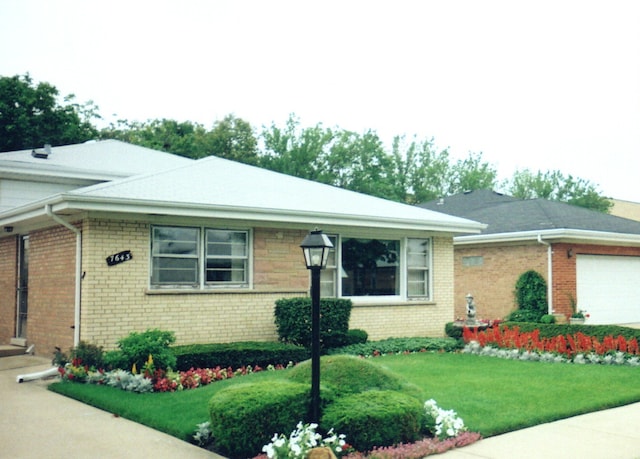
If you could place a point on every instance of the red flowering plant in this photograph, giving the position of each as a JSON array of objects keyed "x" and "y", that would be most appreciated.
[{"x": 567, "y": 346}]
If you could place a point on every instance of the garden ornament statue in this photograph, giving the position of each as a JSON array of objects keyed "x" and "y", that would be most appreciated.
[{"x": 471, "y": 310}]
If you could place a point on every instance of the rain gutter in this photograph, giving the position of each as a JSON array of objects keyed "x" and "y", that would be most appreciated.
[{"x": 549, "y": 273}]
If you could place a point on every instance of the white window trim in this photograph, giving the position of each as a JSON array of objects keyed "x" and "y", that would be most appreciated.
[
  {"x": 202, "y": 260},
  {"x": 403, "y": 273}
]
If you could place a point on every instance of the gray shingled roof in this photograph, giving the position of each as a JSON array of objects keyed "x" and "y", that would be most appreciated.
[{"x": 506, "y": 214}]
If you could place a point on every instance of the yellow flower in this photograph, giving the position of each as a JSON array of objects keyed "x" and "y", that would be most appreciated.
[
  {"x": 134, "y": 370},
  {"x": 150, "y": 360}
]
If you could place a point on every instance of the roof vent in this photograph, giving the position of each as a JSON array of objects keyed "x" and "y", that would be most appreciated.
[{"x": 42, "y": 154}]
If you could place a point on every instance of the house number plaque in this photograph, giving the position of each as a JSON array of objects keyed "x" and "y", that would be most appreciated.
[{"x": 119, "y": 257}]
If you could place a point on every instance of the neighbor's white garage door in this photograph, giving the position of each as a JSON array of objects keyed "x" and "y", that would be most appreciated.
[{"x": 609, "y": 288}]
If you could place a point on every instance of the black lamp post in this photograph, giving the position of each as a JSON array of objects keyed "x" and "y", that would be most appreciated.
[{"x": 315, "y": 247}]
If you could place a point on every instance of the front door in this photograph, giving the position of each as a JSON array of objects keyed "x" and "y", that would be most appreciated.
[{"x": 23, "y": 278}]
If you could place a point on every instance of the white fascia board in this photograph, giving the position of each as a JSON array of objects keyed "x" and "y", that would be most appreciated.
[
  {"x": 119, "y": 205},
  {"x": 38, "y": 173},
  {"x": 557, "y": 235}
]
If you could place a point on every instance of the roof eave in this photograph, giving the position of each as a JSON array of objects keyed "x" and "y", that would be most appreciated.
[
  {"x": 69, "y": 204},
  {"x": 554, "y": 235}
]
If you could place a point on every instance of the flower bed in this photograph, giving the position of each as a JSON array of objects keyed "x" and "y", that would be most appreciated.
[
  {"x": 577, "y": 348},
  {"x": 156, "y": 381}
]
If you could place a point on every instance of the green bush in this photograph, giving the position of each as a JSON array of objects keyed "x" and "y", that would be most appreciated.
[
  {"x": 453, "y": 331},
  {"x": 524, "y": 315},
  {"x": 356, "y": 336},
  {"x": 531, "y": 294},
  {"x": 89, "y": 354},
  {"x": 397, "y": 345},
  {"x": 548, "y": 319},
  {"x": 376, "y": 418},
  {"x": 293, "y": 321},
  {"x": 245, "y": 417},
  {"x": 137, "y": 347},
  {"x": 239, "y": 354},
  {"x": 347, "y": 374}
]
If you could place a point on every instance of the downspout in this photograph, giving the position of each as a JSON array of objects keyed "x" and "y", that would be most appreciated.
[
  {"x": 549, "y": 274},
  {"x": 78, "y": 233}
]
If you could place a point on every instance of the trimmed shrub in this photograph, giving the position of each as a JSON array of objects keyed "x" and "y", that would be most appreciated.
[
  {"x": 245, "y": 417},
  {"x": 531, "y": 295},
  {"x": 376, "y": 418},
  {"x": 136, "y": 348},
  {"x": 399, "y": 345},
  {"x": 598, "y": 331},
  {"x": 524, "y": 315},
  {"x": 236, "y": 355},
  {"x": 347, "y": 374},
  {"x": 453, "y": 331},
  {"x": 293, "y": 321},
  {"x": 356, "y": 336},
  {"x": 88, "y": 354}
]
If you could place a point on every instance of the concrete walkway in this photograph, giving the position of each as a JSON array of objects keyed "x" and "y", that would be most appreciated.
[{"x": 36, "y": 423}]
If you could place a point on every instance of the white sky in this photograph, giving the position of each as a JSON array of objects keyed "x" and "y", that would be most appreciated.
[{"x": 541, "y": 84}]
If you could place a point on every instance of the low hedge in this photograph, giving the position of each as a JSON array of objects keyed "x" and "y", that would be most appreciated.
[
  {"x": 376, "y": 418},
  {"x": 598, "y": 331},
  {"x": 398, "y": 345},
  {"x": 239, "y": 354},
  {"x": 245, "y": 417}
]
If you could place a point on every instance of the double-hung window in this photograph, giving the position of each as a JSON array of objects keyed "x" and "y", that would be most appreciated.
[
  {"x": 199, "y": 257},
  {"x": 377, "y": 268}
]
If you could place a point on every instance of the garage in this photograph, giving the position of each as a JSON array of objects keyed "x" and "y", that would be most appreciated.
[{"x": 608, "y": 287}]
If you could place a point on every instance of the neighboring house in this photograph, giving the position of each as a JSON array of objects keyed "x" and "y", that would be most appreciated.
[
  {"x": 27, "y": 175},
  {"x": 206, "y": 248},
  {"x": 588, "y": 258},
  {"x": 626, "y": 209}
]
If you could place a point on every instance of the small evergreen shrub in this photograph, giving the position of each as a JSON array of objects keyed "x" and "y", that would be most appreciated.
[
  {"x": 347, "y": 374},
  {"x": 293, "y": 321},
  {"x": 399, "y": 345},
  {"x": 356, "y": 336},
  {"x": 236, "y": 355},
  {"x": 245, "y": 417},
  {"x": 136, "y": 348},
  {"x": 531, "y": 296},
  {"x": 453, "y": 331},
  {"x": 548, "y": 319},
  {"x": 88, "y": 354},
  {"x": 524, "y": 315},
  {"x": 376, "y": 418}
]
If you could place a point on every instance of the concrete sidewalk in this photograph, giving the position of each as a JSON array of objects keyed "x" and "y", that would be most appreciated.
[{"x": 35, "y": 423}]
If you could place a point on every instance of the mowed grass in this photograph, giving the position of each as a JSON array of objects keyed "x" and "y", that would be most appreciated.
[{"x": 492, "y": 395}]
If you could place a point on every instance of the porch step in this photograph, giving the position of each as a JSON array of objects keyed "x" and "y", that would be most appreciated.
[{"x": 9, "y": 350}]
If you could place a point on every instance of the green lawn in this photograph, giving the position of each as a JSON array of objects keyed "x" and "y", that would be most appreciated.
[{"x": 492, "y": 395}]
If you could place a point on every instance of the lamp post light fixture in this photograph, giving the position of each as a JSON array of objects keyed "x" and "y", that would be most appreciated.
[{"x": 315, "y": 247}]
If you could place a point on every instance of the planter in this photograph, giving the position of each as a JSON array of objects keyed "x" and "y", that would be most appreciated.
[{"x": 576, "y": 320}]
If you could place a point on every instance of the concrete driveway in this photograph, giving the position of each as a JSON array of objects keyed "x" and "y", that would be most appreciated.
[{"x": 37, "y": 423}]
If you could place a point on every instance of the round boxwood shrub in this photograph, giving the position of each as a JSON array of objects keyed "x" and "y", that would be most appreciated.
[
  {"x": 376, "y": 418},
  {"x": 346, "y": 374},
  {"x": 245, "y": 417}
]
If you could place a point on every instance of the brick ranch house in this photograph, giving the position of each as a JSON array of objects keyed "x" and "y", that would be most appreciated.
[
  {"x": 585, "y": 256},
  {"x": 206, "y": 248}
]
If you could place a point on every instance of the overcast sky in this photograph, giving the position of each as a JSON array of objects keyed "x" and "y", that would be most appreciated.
[{"x": 540, "y": 84}]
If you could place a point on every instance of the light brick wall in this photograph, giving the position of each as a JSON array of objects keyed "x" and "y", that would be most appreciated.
[
  {"x": 493, "y": 283},
  {"x": 8, "y": 284},
  {"x": 116, "y": 299}
]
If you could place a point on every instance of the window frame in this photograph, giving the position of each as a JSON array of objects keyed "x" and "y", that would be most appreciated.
[
  {"x": 202, "y": 256},
  {"x": 330, "y": 274}
]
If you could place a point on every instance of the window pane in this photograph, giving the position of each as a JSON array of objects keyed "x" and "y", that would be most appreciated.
[
  {"x": 226, "y": 243},
  {"x": 418, "y": 267},
  {"x": 227, "y": 257},
  {"x": 226, "y": 270},
  {"x": 370, "y": 266},
  {"x": 175, "y": 271},
  {"x": 174, "y": 255}
]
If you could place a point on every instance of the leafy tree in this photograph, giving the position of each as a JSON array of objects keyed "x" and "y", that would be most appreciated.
[
  {"x": 31, "y": 115},
  {"x": 233, "y": 138},
  {"x": 553, "y": 185}
]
